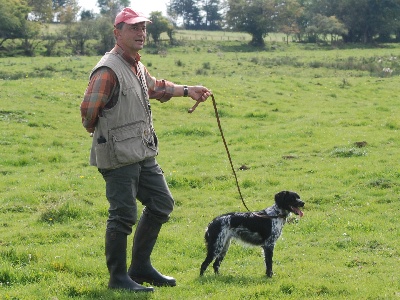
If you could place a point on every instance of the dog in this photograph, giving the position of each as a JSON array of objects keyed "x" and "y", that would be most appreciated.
[{"x": 261, "y": 228}]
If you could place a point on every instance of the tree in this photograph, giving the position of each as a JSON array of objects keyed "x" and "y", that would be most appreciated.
[
  {"x": 360, "y": 19},
  {"x": 58, "y": 3},
  {"x": 14, "y": 24},
  {"x": 30, "y": 34},
  {"x": 335, "y": 28},
  {"x": 42, "y": 10},
  {"x": 324, "y": 26},
  {"x": 111, "y": 8},
  {"x": 364, "y": 19},
  {"x": 78, "y": 34},
  {"x": 158, "y": 25},
  {"x": 256, "y": 17},
  {"x": 213, "y": 17},
  {"x": 188, "y": 10},
  {"x": 289, "y": 13},
  {"x": 105, "y": 35},
  {"x": 87, "y": 15},
  {"x": 13, "y": 19},
  {"x": 68, "y": 13},
  {"x": 50, "y": 41}
]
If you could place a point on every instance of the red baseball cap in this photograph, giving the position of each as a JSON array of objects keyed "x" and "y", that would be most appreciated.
[{"x": 129, "y": 16}]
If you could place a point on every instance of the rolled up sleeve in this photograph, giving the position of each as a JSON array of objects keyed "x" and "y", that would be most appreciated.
[
  {"x": 97, "y": 95},
  {"x": 162, "y": 90}
]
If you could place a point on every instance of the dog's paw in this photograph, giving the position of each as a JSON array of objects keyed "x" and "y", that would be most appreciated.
[{"x": 269, "y": 274}]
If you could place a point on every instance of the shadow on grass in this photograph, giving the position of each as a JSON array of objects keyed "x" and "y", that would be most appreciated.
[
  {"x": 233, "y": 279},
  {"x": 108, "y": 294}
]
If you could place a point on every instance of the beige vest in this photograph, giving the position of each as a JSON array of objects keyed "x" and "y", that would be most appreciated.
[{"x": 124, "y": 134}]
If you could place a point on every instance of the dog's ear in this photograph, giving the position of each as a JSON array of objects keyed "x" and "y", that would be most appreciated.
[{"x": 280, "y": 197}]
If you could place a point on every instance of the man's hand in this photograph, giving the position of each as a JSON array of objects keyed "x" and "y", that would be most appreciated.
[{"x": 199, "y": 94}]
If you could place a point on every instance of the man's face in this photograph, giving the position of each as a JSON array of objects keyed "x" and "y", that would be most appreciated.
[{"x": 131, "y": 37}]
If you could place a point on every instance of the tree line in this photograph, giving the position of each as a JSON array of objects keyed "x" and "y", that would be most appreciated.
[{"x": 23, "y": 22}]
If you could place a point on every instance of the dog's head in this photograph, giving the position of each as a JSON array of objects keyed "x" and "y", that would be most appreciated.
[{"x": 289, "y": 201}]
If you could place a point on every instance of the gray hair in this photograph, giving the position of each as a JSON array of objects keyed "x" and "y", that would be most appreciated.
[{"x": 119, "y": 27}]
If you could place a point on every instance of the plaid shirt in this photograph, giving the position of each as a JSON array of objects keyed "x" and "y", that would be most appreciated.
[{"x": 103, "y": 90}]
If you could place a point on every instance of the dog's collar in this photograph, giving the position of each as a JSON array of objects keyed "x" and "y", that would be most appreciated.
[
  {"x": 272, "y": 212},
  {"x": 280, "y": 216}
]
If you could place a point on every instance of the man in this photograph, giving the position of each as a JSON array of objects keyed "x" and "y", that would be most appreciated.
[{"x": 116, "y": 111}]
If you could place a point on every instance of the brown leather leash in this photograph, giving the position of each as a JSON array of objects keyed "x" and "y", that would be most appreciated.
[{"x": 226, "y": 146}]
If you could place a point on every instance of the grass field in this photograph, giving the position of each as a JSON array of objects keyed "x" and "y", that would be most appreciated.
[{"x": 321, "y": 121}]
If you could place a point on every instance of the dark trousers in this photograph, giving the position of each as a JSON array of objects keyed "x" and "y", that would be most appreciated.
[{"x": 144, "y": 181}]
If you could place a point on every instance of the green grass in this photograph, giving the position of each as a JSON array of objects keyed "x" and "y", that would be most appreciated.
[{"x": 295, "y": 115}]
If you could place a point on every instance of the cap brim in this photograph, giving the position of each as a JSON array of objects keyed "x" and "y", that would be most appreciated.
[{"x": 136, "y": 20}]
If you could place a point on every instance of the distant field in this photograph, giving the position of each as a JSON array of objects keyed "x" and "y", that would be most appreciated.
[
  {"x": 199, "y": 35},
  {"x": 321, "y": 121},
  {"x": 220, "y": 36}
]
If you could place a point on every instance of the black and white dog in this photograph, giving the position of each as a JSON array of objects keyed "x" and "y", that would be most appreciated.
[{"x": 261, "y": 228}]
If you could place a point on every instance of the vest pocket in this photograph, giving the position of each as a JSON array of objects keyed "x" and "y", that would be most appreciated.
[
  {"x": 130, "y": 143},
  {"x": 102, "y": 152}
]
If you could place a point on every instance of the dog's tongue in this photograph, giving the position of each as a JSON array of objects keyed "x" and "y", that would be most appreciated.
[{"x": 298, "y": 211}]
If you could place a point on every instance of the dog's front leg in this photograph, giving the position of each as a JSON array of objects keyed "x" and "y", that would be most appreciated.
[{"x": 268, "y": 253}]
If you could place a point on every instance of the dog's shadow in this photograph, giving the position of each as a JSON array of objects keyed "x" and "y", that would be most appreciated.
[{"x": 233, "y": 279}]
